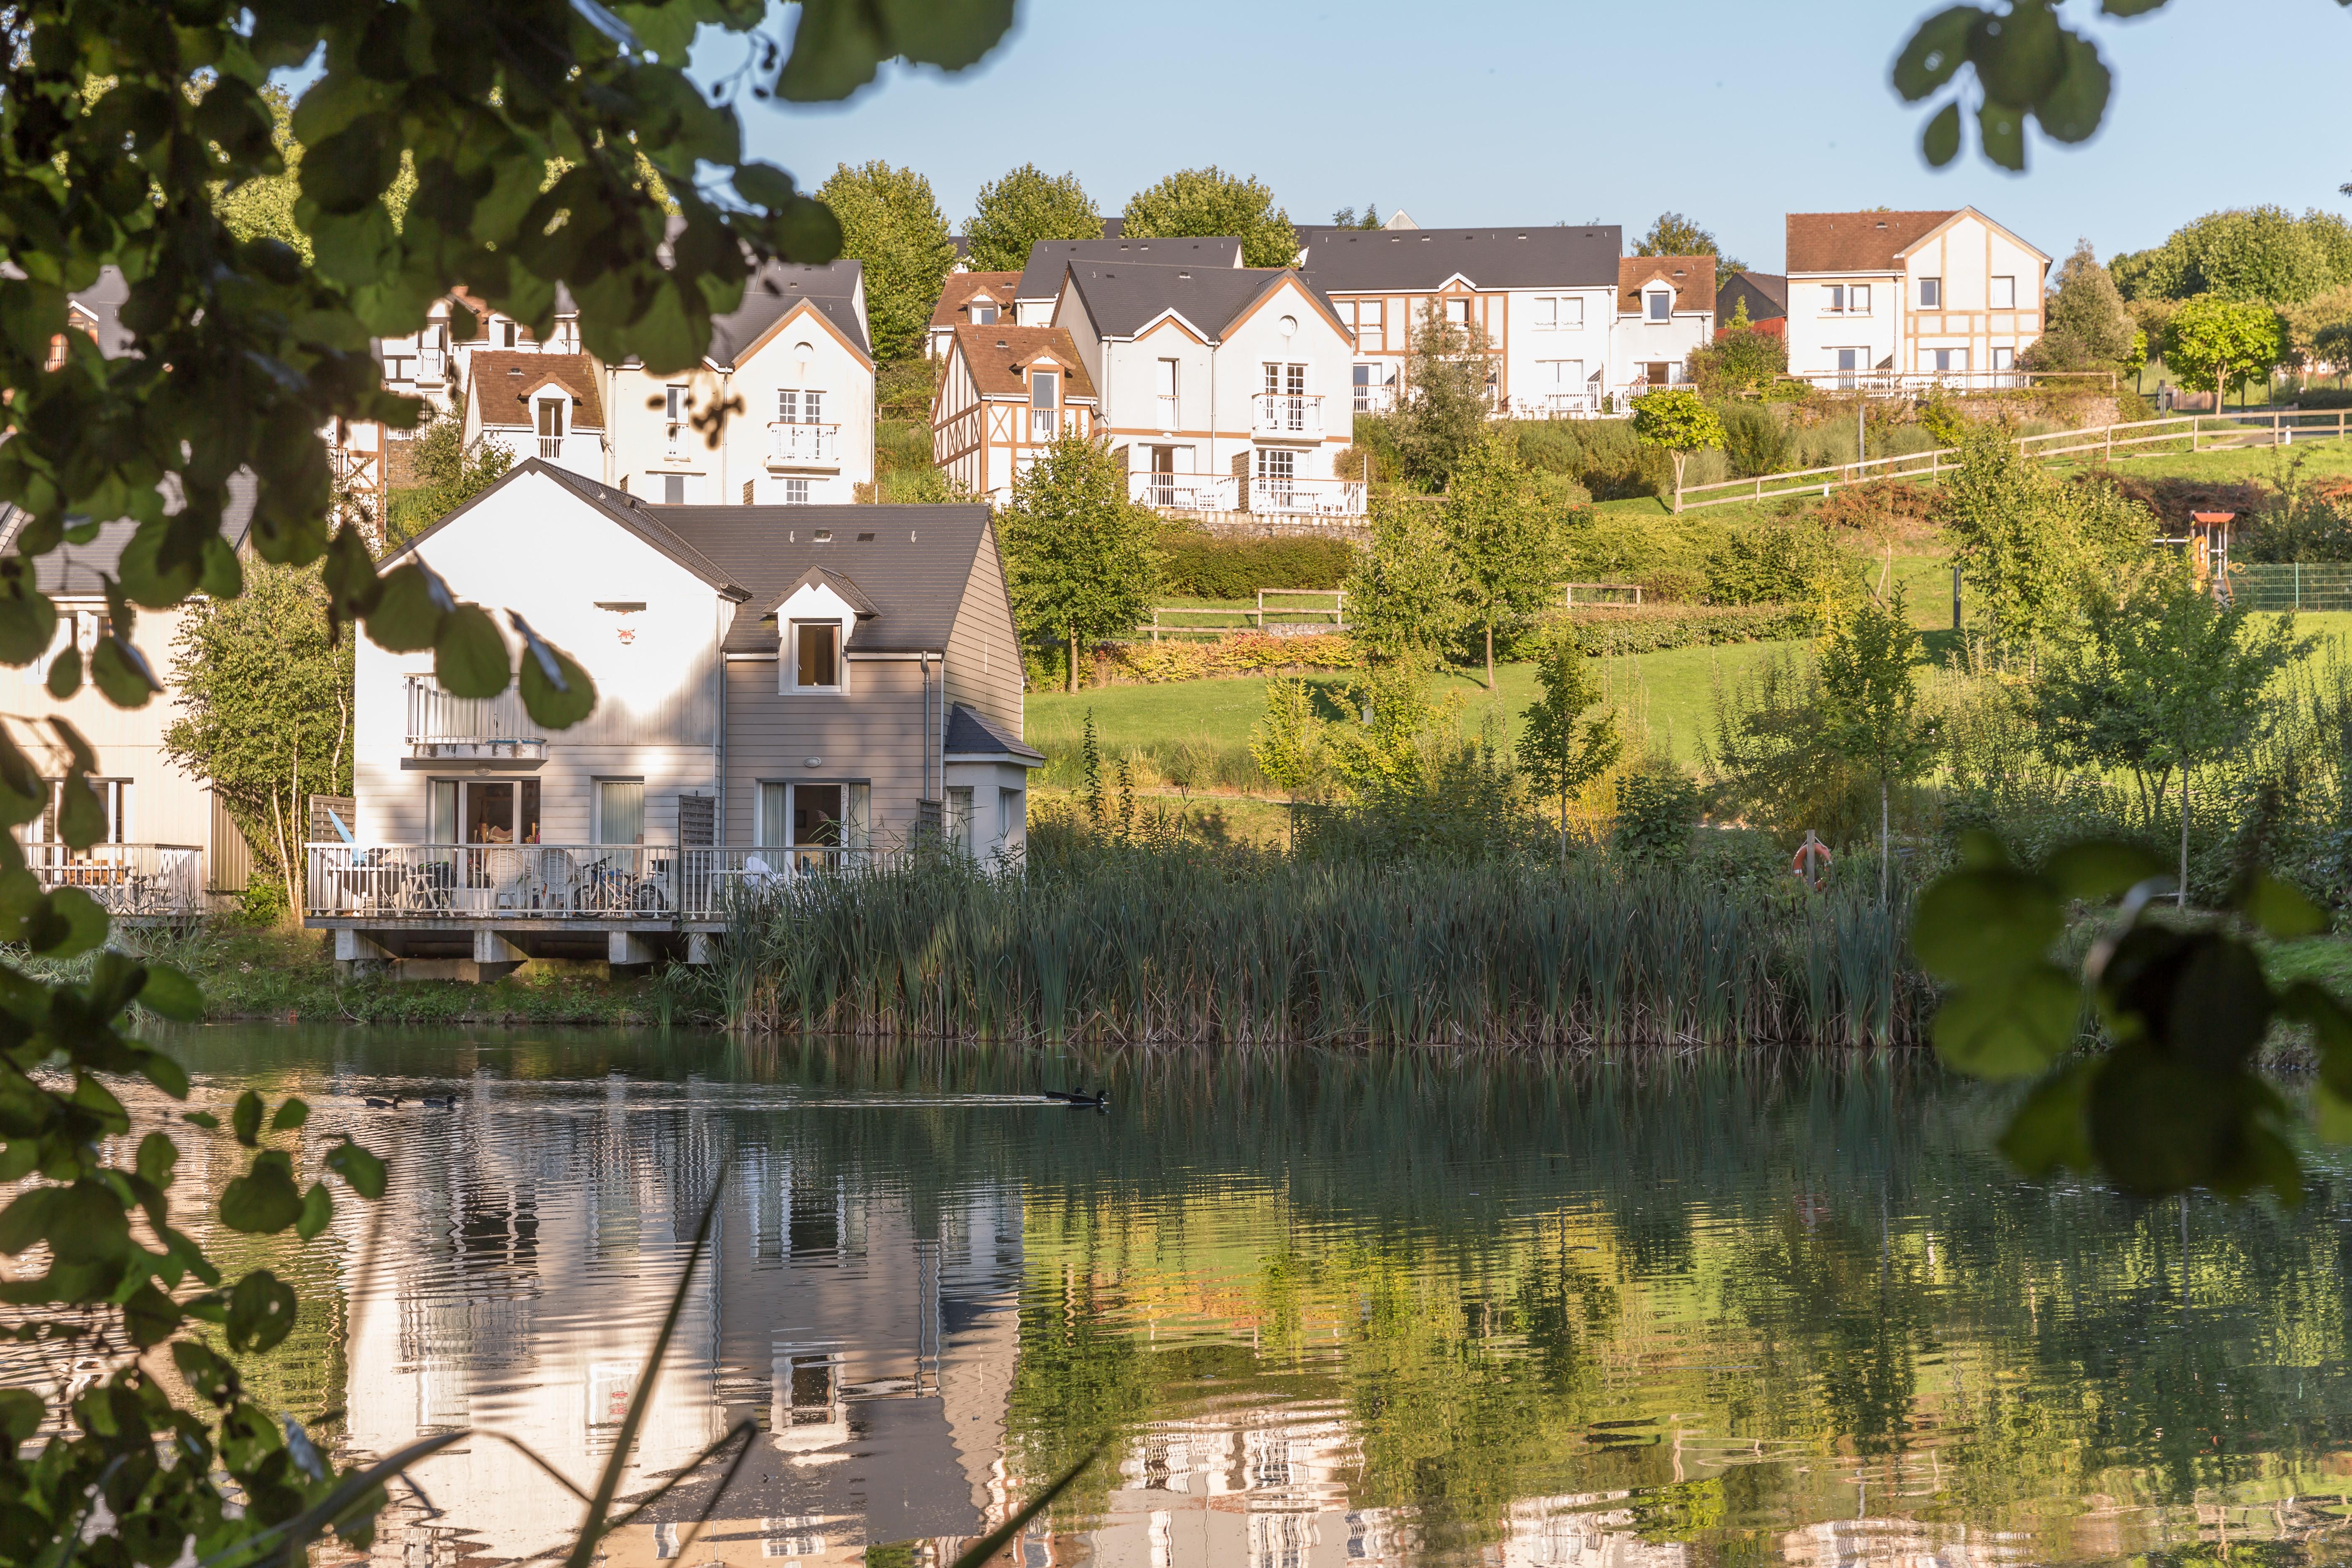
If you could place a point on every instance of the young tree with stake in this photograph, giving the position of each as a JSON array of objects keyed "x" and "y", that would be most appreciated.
[
  {"x": 1681, "y": 423},
  {"x": 1870, "y": 701},
  {"x": 1504, "y": 544},
  {"x": 1561, "y": 749},
  {"x": 1081, "y": 560}
]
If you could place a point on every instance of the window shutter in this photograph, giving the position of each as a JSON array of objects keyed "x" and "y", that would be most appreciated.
[{"x": 698, "y": 821}]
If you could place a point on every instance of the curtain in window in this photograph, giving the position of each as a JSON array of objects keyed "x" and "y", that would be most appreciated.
[{"x": 620, "y": 811}]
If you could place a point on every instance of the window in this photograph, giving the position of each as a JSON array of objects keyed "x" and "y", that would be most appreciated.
[
  {"x": 959, "y": 823},
  {"x": 1857, "y": 299},
  {"x": 1277, "y": 471},
  {"x": 1849, "y": 364},
  {"x": 551, "y": 427},
  {"x": 506, "y": 335},
  {"x": 1837, "y": 299},
  {"x": 673, "y": 490},
  {"x": 1546, "y": 311},
  {"x": 2003, "y": 294},
  {"x": 619, "y": 810},
  {"x": 796, "y": 493},
  {"x": 1044, "y": 396},
  {"x": 113, "y": 794},
  {"x": 1458, "y": 312},
  {"x": 1560, "y": 384},
  {"x": 475, "y": 811},
  {"x": 1011, "y": 815},
  {"x": 1662, "y": 305},
  {"x": 1371, "y": 333},
  {"x": 1931, "y": 294},
  {"x": 817, "y": 655},
  {"x": 674, "y": 410},
  {"x": 788, "y": 405},
  {"x": 1167, "y": 385},
  {"x": 812, "y": 407},
  {"x": 1950, "y": 359},
  {"x": 1559, "y": 312},
  {"x": 983, "y": 315}
]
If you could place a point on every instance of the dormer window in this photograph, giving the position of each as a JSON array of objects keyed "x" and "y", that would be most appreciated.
[
  {"x": 551, "y": 427},
  {"x": 1661, "y": 304},
  {"x": 816, "y": 656},
  {"x": 983, "y": 315},
  {"x": 1045, "y": 398}
]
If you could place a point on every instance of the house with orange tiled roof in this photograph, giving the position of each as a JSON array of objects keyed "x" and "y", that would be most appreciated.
[
  {"x": 431, "y": 361},
  {"x": 540, "y": 405},
  {"x": 1903, "y": 299},
  {"x": 969, "y": 299},
  {"x": 1666, "y": 308},
  {"x": 1005, "y": 394}
]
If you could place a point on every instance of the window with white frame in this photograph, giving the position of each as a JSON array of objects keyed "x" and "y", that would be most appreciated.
[
  {"x": 1947, "y": 360},
  {"x": 673, "y": 490},
  {"x": 2002, "y": 294},
  {"x": 1012, "y": 813},
  {"x": 1166, "y": 382},
  {"x": 1835, "y": 294},
  {"x": 983, "y": 315},
  {"x": 113, "y": 798},
  {"x": 1857, "y": 299},
  {"x": 674, "y": 412},
  {"x": 1931, "y": 294},
  {"x": 796, "y": 493},
  {"x": 1045, "y": 402},
  {"x": 617, "y": 809},
  {"x": 816, "y": 656},
  {"x": 2004, "y": 359},
  {"x": 1371, "y": 327},
  {"x": 1458, "y": 312},
  {"x": 1661, "y": 302},
  {"x": 1560, "y": 383},
  {"x": 958, "y": 815},
  {"x": 551, "y": 427},
  {"x": 798, "y": 405}
]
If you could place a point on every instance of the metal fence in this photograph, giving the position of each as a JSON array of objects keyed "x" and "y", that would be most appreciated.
[{"x": 2291, "y": 586}]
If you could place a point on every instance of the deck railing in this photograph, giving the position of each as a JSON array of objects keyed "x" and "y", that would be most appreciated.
[
  {"x": 441, "y": 724},
  {"x": 1320, "y": 498},
  {"x": 1183, "y": 493},
  {"x": 133, "y": 880},
  {"x": 801, "y": 444},
  {"x": 1285, "y": 414}
]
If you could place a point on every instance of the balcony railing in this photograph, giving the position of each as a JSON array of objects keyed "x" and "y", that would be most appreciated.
[
  {"x": 1379, "y": 399},
  {"x": 1319, "y": 497},
  {"x": 432, "y": 364},
  {"x": 1286, "y": 413},
  {"x": 1559, "y": 405},
  {"x": 792, "y": 445},
  {"x": 1184, "y": 492},
  {"x": 631, "y": 882},
  {"x": 470, "y": 728},
  {"x": 130, "y": 880}
]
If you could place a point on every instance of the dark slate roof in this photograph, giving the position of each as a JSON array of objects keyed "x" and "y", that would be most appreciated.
[
  {"x": 970, "y": 736},
  {"x": 774, "y": 291},
  {"x": 1767, "y": 294},
  {"x": 912, "y": 563},
  {"x": 74, "y": 571},
  {"x": 1123, "y": 299},
  {"x": 1050, "y": 259},
  {"x": 1358, "y": 260}
]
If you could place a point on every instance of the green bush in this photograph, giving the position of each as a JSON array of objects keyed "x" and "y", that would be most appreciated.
[
  {"x": 1657, "y": 812},
  {"x": 1204, "y": 565},
  {"x": 1655, "y": 628},
  {"x": 901, "y": 444},
  {"x": 1773, "y": 563},
  {"x": 1756, "y": 439},
  {"x": 1600, "y": 454}
]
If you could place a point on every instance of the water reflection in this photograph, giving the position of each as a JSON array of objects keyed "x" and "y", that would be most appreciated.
[{"x": 1326, "y": 1310}]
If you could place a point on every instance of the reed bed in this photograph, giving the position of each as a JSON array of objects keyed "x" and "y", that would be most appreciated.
[{"x": 1165, "y": 949}]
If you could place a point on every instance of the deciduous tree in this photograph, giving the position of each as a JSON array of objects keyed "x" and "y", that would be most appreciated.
[
  {"x": 1678, "y": 421},
  {"x": 1404, "y": 592},
  {"x": 1561, "y": 749},
  {"x": 1869, "y": 707},
  {"x": 1205, "y": 203},
  {"x": 1025, "y": 205},
  {"x": 1674, "y": 234},
  {"x": 891, "y": 223},
  {"x": 1505, "y": 545},
  {"x": 2213, "y": 343},
  {"x": 2087, "y": 327},
  {"x": 2029, "y": 546},
  {"x": 1447, "y": 404},
  {"x": 1081, "y": 560}
]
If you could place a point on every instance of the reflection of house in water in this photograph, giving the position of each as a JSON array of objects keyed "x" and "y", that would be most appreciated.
[
  {"x": 1589, "y": 1530},
  {"x": 1903, "y": 1543},
  {"x": 1256, "y": 1489},
  {"x": 525, "y": 1267}
]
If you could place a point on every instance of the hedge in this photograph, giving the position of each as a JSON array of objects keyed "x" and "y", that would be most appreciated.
[
  {"x": 1651, "y": 628},
  {"x": 1208, "y": 566}
]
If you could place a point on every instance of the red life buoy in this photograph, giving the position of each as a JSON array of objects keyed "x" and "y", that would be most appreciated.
[{"x": 1811, "y": 864}]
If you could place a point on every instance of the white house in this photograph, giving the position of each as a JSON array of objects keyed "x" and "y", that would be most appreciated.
[
  {"x": 1903, "y": 299},
  {"x": 432, "y": 364},
  {"x": 537, "y": 405},
  {"x": 781, "y": 411},
  {"x": 969, "y": 299},
  {"x": 1005, "y": 393},
  {"x": 1224, "y": 387},
  {"x": 1666, "y": 308},
  {"x": 1040, "y": 287},
  {"x": 780, "y": 689},
  {"x": 1545, "y": 297}
]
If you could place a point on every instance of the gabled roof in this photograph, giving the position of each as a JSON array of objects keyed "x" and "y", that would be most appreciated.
[
  {"x": 1767, "y": 294},
  {"x": 912, "y": 563},
  {"x": 994, "y": 357},
  {"x": 503, "y": 381},
  {"x": 962, "y": 287},
  {"x": 849, "y": 592},
  {"x": 620, "y": 507},
  {"x": 770, "y": 296},
  {"x": 1858, "y": 242},
  {"x": 1049, "y": 259},
  {"x": 78, "y": 571},
  {"x": 1124, "y": 299},
  {"x": 1691, "y": 277},
  {"x": 1535, "y": 256},
  {"x": 968, "y": 735}
]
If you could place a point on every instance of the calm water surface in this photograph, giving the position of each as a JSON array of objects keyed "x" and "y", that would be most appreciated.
[{"x": 1322, "y": 1310}]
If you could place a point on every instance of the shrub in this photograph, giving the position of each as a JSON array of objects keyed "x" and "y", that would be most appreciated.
[
  {"x": 1774, "y": 562},
  {"x": 1657, "y": 812},
  {"x": 1651, "y": 628},
  {"x": 1211, "y": 566},
  {"x": 1740, "y": 360},
  {"x": 1251, "y": 653}
]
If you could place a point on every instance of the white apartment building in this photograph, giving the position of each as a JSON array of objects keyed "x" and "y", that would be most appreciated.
[
  {"x": 1903, "y": 299},
  {"x": 1226, "y": 388},
  {"x": 1666, "y": 310},
  {"x": 432, "y": 364},
  {"x": 1545, "y": 297}
]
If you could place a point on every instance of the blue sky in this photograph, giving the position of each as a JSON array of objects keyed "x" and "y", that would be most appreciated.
[{"x": 1733, "y": 111}]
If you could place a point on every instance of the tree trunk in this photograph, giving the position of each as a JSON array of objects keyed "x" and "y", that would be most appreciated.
[
  {"x": 1680, "y": 459},
  {"x": 1490, "y": 655},
  {"x": 1074, "y": 658},
  {"x": 2180, "y": 895},
  {"x": 1563, "y": 831},
  {"x": 1884, "y": 840}
]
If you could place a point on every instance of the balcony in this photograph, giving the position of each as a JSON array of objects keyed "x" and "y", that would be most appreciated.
[
  {"x": 1184, "y": 492},
  {"x": 1311, "y": 498},
  {"x": 635, "y": 884},
  {"x": 432, "y": 364},
  {"x": 1379, "y": 399},
  {"x": 1286, "y": 415},
  {"x": 793, "y": 444},
  {"x": 130, "y": 882},
  {"x": 1559, "y": 406},
  {"x": 494, "y": 730}
]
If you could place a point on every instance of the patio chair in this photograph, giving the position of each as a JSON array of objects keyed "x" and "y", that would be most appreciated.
[
  {"x": 552, "y": 881},
  {"x": 503, "y": 868}
]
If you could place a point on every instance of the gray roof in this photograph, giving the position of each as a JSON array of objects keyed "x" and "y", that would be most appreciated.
[
  {"x": 1049, "y": 259},
  {"x": 1352, "y": 261},
  {"x": 1122, "y": 300},
  {"x": 911, "y": 564},
  {"x": 1767, "y": 294},
  {"x": 78, "y": 571},
  {"x": 969, "y": 736},
  {"x": 774, "y": 289}
]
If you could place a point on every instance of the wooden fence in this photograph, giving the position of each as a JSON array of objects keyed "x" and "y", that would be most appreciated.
[
  {"x": 2202, "y": 432},
  {"x": 1291, "y": 616}
]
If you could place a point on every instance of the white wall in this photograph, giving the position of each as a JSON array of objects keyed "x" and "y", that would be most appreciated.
[{"x": 1816, "y": 332}]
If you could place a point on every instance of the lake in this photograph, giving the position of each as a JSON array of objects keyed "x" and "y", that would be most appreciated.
[{"x": 1317, "y": 1309}]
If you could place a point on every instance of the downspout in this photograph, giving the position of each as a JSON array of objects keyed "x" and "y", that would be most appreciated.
[
  {"x": 719, "y": 741},
  {"x": 726, "y": 390}
]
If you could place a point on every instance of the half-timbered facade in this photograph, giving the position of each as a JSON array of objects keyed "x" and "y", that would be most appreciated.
[
  {"x": 1005, "y": 393},
  {"x": 1543, "y": 298},
  {"x": 1225, "y": 388},
  {"x": 1906, "y": 299},
  {"x": 781, "y": 411},
  {"x": 1666, "y": 308}
]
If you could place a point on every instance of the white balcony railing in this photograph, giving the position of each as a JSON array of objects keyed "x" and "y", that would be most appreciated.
[
  {"x": 432, "y": 364},
  {"x": 1184, "y": 492},
  {"x": 1379, "y": 399},
  {"x": 476, "y": 728},
  {"x": 132, "y": 880},
  {"x": 1286, "y": 413},
  {"x": 638, "y": 883},
  {"x": 803, "y": 446},
  {"x": 1889, "y": 381},
  {"x": 1319, "y": 497}
]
